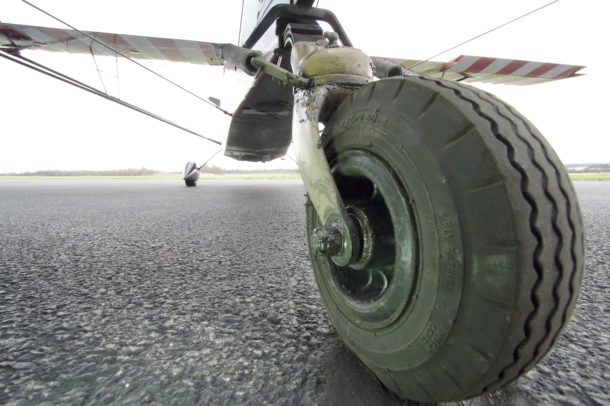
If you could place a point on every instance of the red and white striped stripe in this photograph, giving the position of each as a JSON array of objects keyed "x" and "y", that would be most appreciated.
[
  {"x": 469, "y": 68},
  {"x": 476, "y": 65},
  {"x": 134, "y": 46}
]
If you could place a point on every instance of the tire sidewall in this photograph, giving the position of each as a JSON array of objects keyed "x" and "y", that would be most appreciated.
[{"x": 427, "y": 318}]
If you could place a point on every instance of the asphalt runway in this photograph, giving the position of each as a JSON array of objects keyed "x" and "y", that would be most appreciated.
[{"x": 141, "y": 291}]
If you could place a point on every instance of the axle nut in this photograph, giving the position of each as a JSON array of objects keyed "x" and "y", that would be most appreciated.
[{"x": 328, "y": 240}]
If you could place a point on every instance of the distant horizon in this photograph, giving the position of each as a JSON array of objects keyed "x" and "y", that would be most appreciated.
[
  {"x": 571, "y": 167},
  {"x": 139, "y": 171}
]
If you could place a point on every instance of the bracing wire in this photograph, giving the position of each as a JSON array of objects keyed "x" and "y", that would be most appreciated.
[
  {"x": 21, "y": 60},
  {"x": 211, "y": 157},
  {"x": 485, "y": 33},
  {"x": 128, "y": 58},
  {"x": 292, "y": 159},
  {"x": 98, "y": 70},
  {"x": 241, "y": 20},
  {"x": 116, "y": 69}
]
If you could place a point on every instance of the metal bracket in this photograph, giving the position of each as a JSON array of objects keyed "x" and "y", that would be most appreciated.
[
  {"x": 279, "y": 73},
  {"x": 385, "y": 68},
  {"x": 298, "y": 13},
  {"x": 316, "y": 173},
  {"x": 334, "y": 72}
]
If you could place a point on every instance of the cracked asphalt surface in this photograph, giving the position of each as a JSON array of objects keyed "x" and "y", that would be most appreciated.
[{"x": 135, "y": 291}]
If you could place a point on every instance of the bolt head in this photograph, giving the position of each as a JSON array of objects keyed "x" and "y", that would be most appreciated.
[
  {"x": 332, "y": 37},
  {"x": 328, "y": 240}
]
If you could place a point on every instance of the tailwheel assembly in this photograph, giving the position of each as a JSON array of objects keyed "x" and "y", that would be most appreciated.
[{"x": 191, "y": 174}]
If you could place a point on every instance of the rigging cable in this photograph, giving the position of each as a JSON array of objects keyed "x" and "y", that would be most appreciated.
[
  {"x": 210, "y": 158},
  {"x": 128, "y": 58},
  {"x": 482, "y": 34},
  {"x": 98, "y": 70},
  {"x": 69, "y": 80},
  {"x": 116, "y": 69},
  {"x": 241, "y": 19}
]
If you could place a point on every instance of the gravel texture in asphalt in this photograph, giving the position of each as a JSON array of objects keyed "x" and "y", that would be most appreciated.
[{"x": 148, "y": 291}]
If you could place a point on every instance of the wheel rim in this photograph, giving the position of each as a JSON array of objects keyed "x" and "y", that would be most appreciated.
[{"x": 376, "y": 288}]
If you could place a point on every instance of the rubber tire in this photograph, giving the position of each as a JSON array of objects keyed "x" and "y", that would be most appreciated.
[
  {"x": 190, "y": 182},
  {"x": 490, "y": 200}
]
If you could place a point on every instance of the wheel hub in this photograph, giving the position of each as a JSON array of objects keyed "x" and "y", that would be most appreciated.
[
  {"x": 376, "y": 285},
  {"x": 365, "y": 236}
]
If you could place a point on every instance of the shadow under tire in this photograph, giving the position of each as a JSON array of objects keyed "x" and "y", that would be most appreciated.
[
  {"x": 190, "y": 182},
  {"x": 473, "y": 238}
]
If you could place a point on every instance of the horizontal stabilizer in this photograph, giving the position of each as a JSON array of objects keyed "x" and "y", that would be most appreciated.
[
  {"x": 14, "y": 37},
  {"x": 491, "y": 70}
]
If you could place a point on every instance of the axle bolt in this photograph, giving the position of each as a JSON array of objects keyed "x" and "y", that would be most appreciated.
[{"x": 328, "y": 240}]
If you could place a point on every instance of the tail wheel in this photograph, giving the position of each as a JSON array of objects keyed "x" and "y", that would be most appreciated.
[
  {"x": 191, "y": 174},
  {"x": 472, "y": 239}
]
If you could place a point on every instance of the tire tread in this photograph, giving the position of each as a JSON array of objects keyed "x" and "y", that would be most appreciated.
[{"x": 530, "y": 350}]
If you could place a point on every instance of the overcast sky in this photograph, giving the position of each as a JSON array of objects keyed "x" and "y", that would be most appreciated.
[{"x": 49, "y": 125}]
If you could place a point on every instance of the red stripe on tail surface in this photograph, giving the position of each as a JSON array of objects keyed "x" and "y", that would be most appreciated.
[
  {"x": 14, "y": 34},
  {"x": 168, "y": 48},
  {"x": 209, "y": 50},
  {"x": 568, "y": 72},
  {"x": 64, "y": 37},
  {"x": 541, "y": 70},
  {"x": 117, "y": 42},
  {"x": 479, "y": 65},
  {"x": 511, "y": 67},
  {"x": 456, "y": 60}
]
